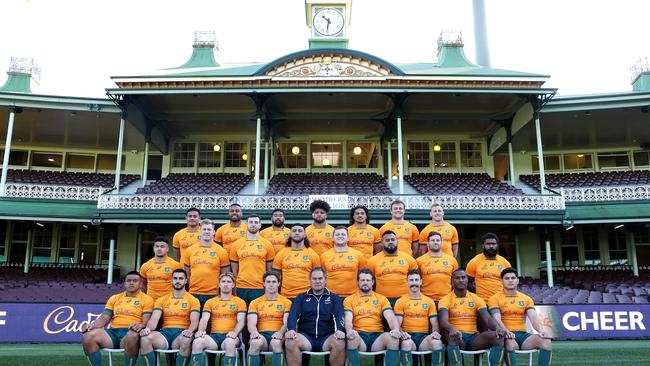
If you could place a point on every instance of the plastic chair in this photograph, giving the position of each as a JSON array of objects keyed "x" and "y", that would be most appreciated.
[
  {"x": 110, "y": 352},
  {"x": 530, "y": 354},
  {"x": 421, "y": 355},
  {"x": 478, "y": 353},
  {"x": 163, "y": 351}
]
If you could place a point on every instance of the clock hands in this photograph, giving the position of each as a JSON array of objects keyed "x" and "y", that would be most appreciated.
[{"x": 328, "y": 22}]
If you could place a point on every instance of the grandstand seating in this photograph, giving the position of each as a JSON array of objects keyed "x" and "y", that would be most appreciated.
[
  {"x": 460, "y": 183},
  {"x": 190, "y": 183},
  {"x": 68, "y": 178},
  {"x": 328, "y": 183},
  {"x": 591, "y": 179}
]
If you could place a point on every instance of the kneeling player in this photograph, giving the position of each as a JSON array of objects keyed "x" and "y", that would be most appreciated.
[
  {"x": 510, "y": 309},
  {"x": 415, "y": 313},
  {"x": 267, "y": 321},
  {"x": 364, "y": 312},
  {"x": 180, "y": 315},
  {"x": 227, "y": 315},
  {"x": 458, "y": 313}
]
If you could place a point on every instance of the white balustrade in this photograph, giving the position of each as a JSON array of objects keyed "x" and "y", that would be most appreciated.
[{"x": 82, "y": 193}]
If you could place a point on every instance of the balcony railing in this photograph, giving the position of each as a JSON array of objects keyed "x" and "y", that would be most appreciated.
[
  {"x": 477, "y": 202},
  {"x": 600, "y": 194},
  {"x": 24, "y": 190}
]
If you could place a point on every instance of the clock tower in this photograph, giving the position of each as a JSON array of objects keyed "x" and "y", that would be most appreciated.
[{"x": 328, "y": 21}]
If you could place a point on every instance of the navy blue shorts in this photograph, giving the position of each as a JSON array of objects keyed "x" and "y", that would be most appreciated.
[{"x": 316, "y": 343}]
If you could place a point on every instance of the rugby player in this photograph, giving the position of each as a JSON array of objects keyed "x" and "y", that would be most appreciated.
[
  {"x": 363, "y": 236},
  {"x": 233, "y": 230},
  {"x": 485, "y": 268},
  {"x": 436, "y": 268},
  {"x": 447, "y": 231},
  {"x": 277, "y": 233},
  {"x": 189, "y": 235},
  {"x": 157, "y": 272},
  {"x": 407, "y": 234},
  {"x": 390, "y": 267},
  {"x": 342, "y": 264},
  {"x": 294, "y": 262},
  {"x": 319, "y": 233}
]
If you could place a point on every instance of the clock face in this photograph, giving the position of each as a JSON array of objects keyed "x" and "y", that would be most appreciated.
[{"x": 328, "y": 22}]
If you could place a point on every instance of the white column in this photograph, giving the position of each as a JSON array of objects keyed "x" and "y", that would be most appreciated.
[
  {"x": 138, "y": 250},
  {"x": 28, "y": 249},
  {"x": 511, "y": 163},
  {"x": 549, "y": 260},
  {"x": 390, "y": 164},
  {"x": 400, "y": 155},
  {"x": 111, "y": 258},
  {"x": 258, "y": 133},
  {"x": 518, "y": 255},
  {"x": 118, "y": 162},
  {"x": 5, "y": 160},
  {"x": 267, "y": 152},
  {"x": 540, "y": 153},
  {"x": 633, "y": 259},
  {"x": 145, "y": 166}
]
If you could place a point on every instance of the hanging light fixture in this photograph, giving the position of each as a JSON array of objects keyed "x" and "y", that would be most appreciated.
[
  {"x": 295, "y": 150},
  {"x": 244, "y": 157},
  {"x": 216, "y": 147},
  {"x": 357, "y": 150},
  {"x": 436, "y": 147},
  {"x": 326, "y": 162}
]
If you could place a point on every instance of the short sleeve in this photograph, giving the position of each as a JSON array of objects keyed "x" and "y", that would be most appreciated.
[
  {"x": 493, "y": 303},
  {"x": 176, "y": 242},
  {"x": 432, "y": 309},
  {"x": 159, "y": 303},
  {"x": 234, "y": 256},
  {"x": 195, "y": 305},
  {"x": 383, "y": 228},
  {"x": 207, "y": 307},
  {"x": 287, "y": 305},
  {"x": 185, "y": 258},
  {"x": 530, "y": 304},
  {"x": 506, "y": 263},
  {"x": 143, "y": 270},
  {"x": 347, "y": 303},
  {"x": 362, "y": 261},
  {"x": 413, "y": 264},
  {"x": 423, "y": 236},
  {"x": 385, "y": 304},
  {"x": 252, "y": 308},
  {"x": 218, "y": 236},
  {"x": 454, "y": 264},
  {"x": 443, "y": 303},
  {"x": 241, "y": 306},
  {"x": 178, "y": 265},
  {"x": 454, "y": 237},
  {"x": 415, "y": 236},
  {"x": 377, "y": 236},
  {"x": 270, "y": 251},
  {"x": 148, "y": 304},
  {"x": 223, "y": 257},
  {"x": 110, "y": 304},
  {"x": 277, "y": 262},
  {"x": 471, "y": 268},
  {"x": 315, "y": 258},
  {"x": 480, "y": 303},
  {"x": 399, "y": 307}
]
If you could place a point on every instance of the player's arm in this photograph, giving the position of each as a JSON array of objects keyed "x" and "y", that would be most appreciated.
[
  {"x": 188, "y": 270},
  {"x": 203, "y": 324},
  {"x": 415, "y": 247},
  {"x": 98, "y": 323},
  {"x": 137, "y": 327},
  {"x": 531, "y": 313},
  {"x": 241, "y": 323},
  {"x": 471, "y": 284},
  {"x": 496, "y": 314},
  {"x": 435, "y": 327},
  {"x": 194, "y": 324},
  {"x": 445, "y": 325},
  {"x": 177, "y": 253},
  {"x": 269, "y": 265},
  {"x": 251, "y": 323},
  {"x": 393, "y": 324},
  {"x": 491, "y": 323},
  {"x": 226, "y": 268},
  {"x": 403, "y": 335},
  {"x": 152, "y": 323},
  {"x": 377, "y": 247},
  {"x": 280, "y": 333},
  {"x": 234, "y": 266},
  {"x": 349, "y": 331}
]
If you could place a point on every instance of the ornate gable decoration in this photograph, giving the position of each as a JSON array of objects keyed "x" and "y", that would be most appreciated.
[{"x": 330, "y": 65}]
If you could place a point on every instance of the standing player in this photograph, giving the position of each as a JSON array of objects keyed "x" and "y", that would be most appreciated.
[
  {"x": 320, "y": 233},
  {"x": 127, "y": 313},
  {"x": 407, "y": 234},
  {"x": 157, "y": 272},
  {"x": 180, "y": 315},
  {"x": 277, "y": 233},
  {"x": 250, "y": 258},
  {"x": 436, "y": 268},
  {"x": 486, "y": 267},
  {"x": 316, "y": 323},
  {"x": 364, "y": 313},
  {"x": 295, "y": 262},
  {"x": 363, "y": 236},
  {"x": 233, "y": 230},
  {"x": 458, "y": 313},
  {"x": 390, "y": 267},
  {"x": 227, "y": 316},
  {"x": 342, "y": 264},
  {"x": 267, "y": 321},
  {"x": 510, "y": 309},
  {"x": 418, "y": 320},
  {"x": 204, "y": 263},
  {"x": 189, "y": 235},
  {"x": 447, "y": 231}
]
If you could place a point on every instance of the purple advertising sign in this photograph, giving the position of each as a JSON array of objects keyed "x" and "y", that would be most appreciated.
[
  {"x": 595, "y": 321},
  {"x": 51, "y": 323}
]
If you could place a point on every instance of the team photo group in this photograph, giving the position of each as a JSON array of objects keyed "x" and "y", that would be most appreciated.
[{"x": 341, "y": 291}]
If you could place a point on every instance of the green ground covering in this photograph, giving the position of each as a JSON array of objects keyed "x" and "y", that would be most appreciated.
[{"x": 608, "y": 352}]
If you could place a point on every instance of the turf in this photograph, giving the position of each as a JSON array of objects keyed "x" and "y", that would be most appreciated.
[{"x": 608, "y": 352}]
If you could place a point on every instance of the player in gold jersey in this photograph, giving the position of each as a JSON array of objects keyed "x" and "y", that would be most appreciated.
[
  {"x": 363, "y": 236},
  {"x": 510, "y": 308},
  {"x": 127, "y": 312},
  {"x": 295, "y": 262},
  {"x": 485, "y": 268},
  {"x": 227, "y": 316},
  {"x": 277, "y": 233},
  {"x": 267, "y": 321},
  {"x": 157, "y": 272},
  {"x": 342, "y": 264},
  {"x": 447, "y": 231},
  {"x": 320, "y": 234},
  {"x": 180, "y": 315},
  {"x": 418, "y": 321},
  {"x": 458, "y": 313},
  {"x": 189, "y": 235},
  {"x": 233, "y": 230},
  {"x": 407, "y": 233},
  {"x": 436, "y": 268}
]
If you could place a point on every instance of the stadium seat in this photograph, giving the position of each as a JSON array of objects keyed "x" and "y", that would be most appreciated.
[
  {"x": 590, "y": 179},
  {"x": 196, "y": 184},
  {"x": 328, "y": 183},
  {"x": 459, "y": 184},
  {"x": 530, "y": 354},
  {"x": 110, "y": 352}
]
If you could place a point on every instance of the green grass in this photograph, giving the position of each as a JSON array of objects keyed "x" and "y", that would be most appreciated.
[{"x": 608, "y": 352}]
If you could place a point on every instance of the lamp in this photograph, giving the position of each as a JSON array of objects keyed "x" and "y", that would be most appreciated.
[
  {"x": 436, "y": 147},
  {"x": 244, "y": 156},
  {"x": 357, "y": 150},
  {"x": 216, "y": 147},
  {"x": 295, "y": 150}
]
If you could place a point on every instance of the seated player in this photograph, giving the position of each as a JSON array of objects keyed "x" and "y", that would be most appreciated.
[
  {"x": 364, "y": 312},
  {"x": 510, "y": 309},
  {"x": 458, "y": 313},
  {"x": 418, "y": 320},
  {"x": 180, "y": 314},
  {"x": 267, "y": 321},
  {"x": 227, "y": 316},
  {"x": 127, "y": 313},
  {"x": 316, "y": 323}
]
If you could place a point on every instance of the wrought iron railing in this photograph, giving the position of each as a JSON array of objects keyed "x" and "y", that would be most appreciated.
[
  {"x": 604, "y": 193},
  {"x": 24, "y": 190}
]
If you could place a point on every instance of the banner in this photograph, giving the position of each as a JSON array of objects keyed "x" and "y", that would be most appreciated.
[
  {"x": 592, "y": 321},
  {"x": 336, "y": 201},
  {"x": 47, "y": 323}
]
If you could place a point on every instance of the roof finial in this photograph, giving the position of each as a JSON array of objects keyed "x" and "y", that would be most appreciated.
[{"x": 206, "y": 39}]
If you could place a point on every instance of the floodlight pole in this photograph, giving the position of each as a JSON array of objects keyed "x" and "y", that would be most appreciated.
[
  {"x": 120, "y": 146},
  {"x": 5, "y": 160}
]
